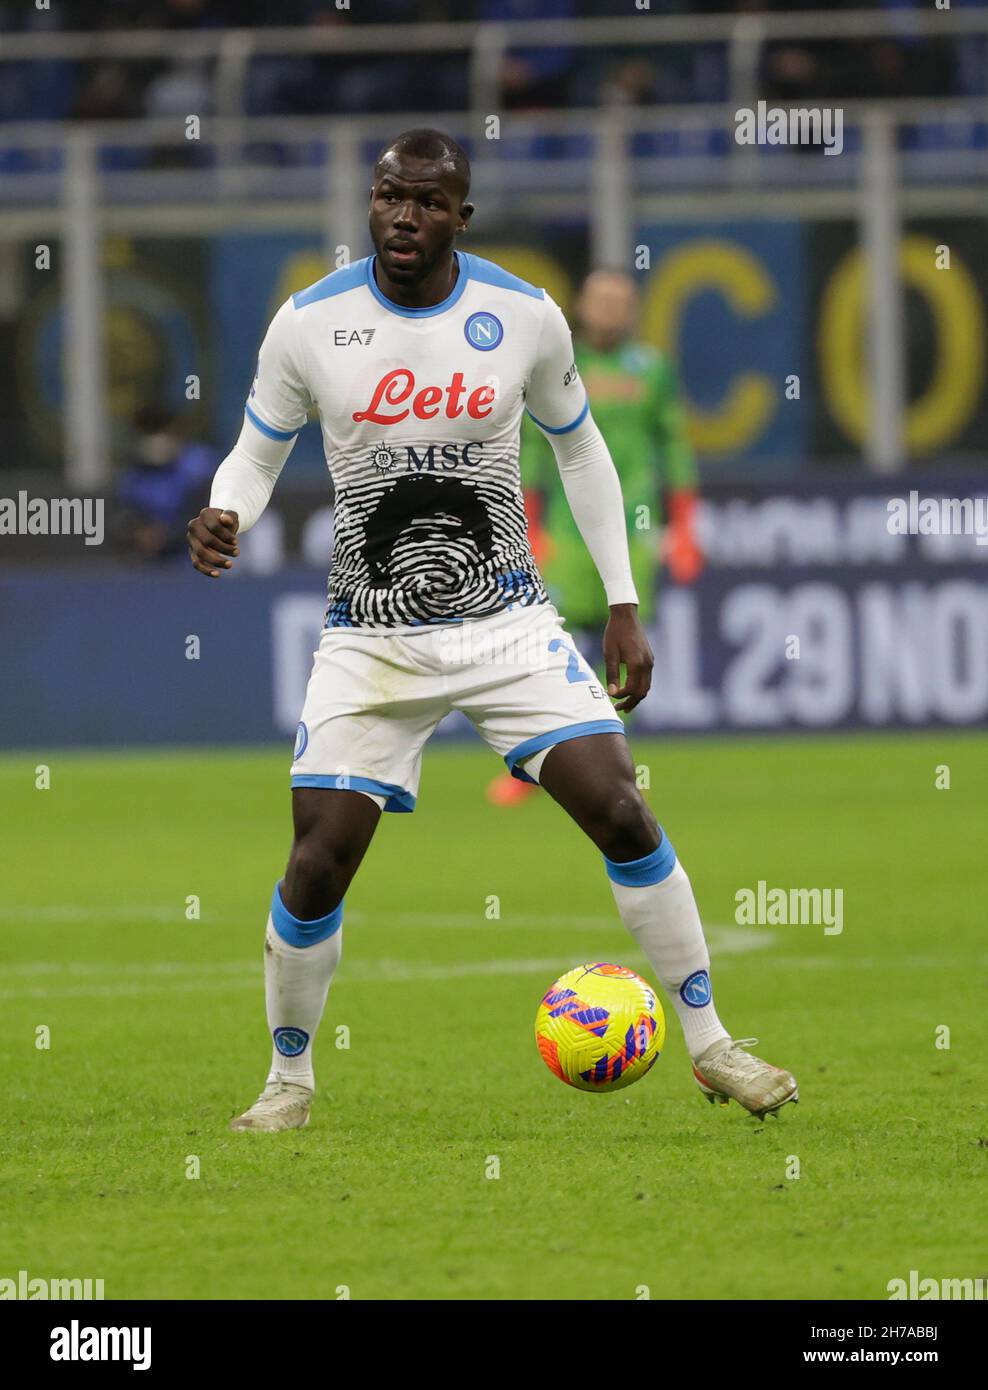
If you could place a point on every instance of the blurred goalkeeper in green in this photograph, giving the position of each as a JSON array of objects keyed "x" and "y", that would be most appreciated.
[{"x": 635, "y": 401}]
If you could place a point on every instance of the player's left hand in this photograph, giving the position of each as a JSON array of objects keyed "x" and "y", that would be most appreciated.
[
  {"x": 212, "y": 537},
  {"x": 625, "y": 644}
]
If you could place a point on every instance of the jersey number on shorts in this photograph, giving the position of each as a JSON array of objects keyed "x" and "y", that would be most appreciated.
[{"x": 573, "y": 671}]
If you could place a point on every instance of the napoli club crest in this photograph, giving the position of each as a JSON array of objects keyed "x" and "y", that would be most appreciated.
[
  {"x": 695, "y": 991},
  {"x": 291, "y": 1042},
  {"x": 483, "y": 331}
]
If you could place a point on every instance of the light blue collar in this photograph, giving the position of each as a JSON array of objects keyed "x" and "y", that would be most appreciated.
[{"x": 462, "y": 260}]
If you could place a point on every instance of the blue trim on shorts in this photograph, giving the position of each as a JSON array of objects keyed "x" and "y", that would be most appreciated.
[
  {"x": 640, "y": 873},
  {"x": 554, "y": 736},
  {"x": 297, "y": 932},
  {"x": 397, "y": 798}
]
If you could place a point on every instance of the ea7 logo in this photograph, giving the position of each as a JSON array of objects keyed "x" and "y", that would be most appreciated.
[{"x": 346, "y": 337}]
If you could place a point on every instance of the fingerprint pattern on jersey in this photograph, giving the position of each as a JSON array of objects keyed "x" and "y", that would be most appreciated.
[{"x": 426, "y": 548}]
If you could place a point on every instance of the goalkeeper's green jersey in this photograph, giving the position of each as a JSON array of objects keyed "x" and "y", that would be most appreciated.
[{"x": 635, "y": 402}]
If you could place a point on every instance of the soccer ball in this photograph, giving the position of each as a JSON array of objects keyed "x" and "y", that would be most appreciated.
[{"x": 600, "y": 1027}]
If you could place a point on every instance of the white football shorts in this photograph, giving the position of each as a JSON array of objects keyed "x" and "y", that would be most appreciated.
[{"x": 373, "y": 699}]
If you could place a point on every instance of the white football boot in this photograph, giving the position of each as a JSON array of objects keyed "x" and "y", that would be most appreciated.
[
  {"x": 281, "y": 1105},
  {"x": 726, "y": 1072}
]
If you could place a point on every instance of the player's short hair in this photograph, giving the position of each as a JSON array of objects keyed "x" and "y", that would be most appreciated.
[{"x": 426, "y": 143}]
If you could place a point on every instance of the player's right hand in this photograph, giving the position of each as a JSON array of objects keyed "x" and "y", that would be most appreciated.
[{"x": 212, "y": 537}]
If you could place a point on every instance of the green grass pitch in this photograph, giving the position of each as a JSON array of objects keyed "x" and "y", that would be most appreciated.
[{"x": 157, "y": 1036}]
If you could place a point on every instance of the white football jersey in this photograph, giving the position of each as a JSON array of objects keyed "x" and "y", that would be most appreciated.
[{"x": 420, "y": 412}]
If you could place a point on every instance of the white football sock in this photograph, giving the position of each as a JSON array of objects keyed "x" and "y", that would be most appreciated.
[
  {"x": 300, "y": 959},
  {"x": 657, "y": 906}
]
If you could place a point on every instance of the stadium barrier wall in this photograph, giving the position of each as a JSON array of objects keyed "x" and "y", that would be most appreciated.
[{"x": 811, "y": 614}]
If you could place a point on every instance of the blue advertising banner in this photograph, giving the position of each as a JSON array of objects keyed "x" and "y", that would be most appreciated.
[
  {"x": 835, "y": 608},
  {"x": 250, "y": 277},
  {"x": 728, "y": 303}
]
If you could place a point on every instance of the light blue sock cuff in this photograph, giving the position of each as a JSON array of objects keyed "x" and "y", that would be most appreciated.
[
  {"x": 299, "y": 933},
  {"x": 639, "y": 873}
]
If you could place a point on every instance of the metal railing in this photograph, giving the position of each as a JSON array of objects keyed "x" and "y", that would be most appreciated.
[
  {"x": 75, "y": 198},
  {"x": 667, "y": 151},
  {"x": 615, "y": 192},
  {"x": 484, "y": 44}
]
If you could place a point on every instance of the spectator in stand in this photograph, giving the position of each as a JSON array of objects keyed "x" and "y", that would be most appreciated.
[
  {"x": 167, "y": 483},
  {"x": 107, "y": 92},
  {"x": 40, "y": 91},
  {"x": 533, "y": 77}
]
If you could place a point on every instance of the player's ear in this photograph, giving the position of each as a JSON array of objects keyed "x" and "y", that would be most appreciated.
[{"x": 466, "y": 212}]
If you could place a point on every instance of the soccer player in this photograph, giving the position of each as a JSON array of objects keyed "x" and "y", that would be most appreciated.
[
  {"x": 635, "y": 402},
  {"x": 420, "y": 360}
]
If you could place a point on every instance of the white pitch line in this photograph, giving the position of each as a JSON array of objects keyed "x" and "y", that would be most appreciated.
[
  {"x": 186, "y": 977},
  {"x": 72, "y": 912},
  {"x": 108, "y": 980},
  {"x": 728, "y": 939},
  {"x": 175, "y": 912},
  {"x": 180, "y": 978},
  {"x": 725, "y": 940}
]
